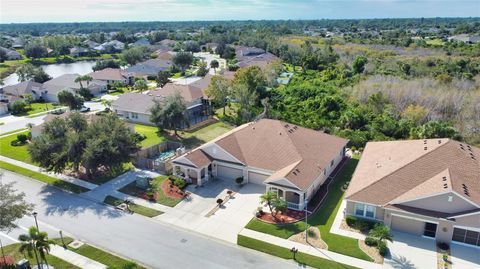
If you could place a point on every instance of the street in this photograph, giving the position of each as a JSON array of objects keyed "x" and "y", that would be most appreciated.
[{"x": 145, "y": 240}]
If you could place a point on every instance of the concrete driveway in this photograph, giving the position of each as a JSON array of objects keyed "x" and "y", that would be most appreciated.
[
  {"x": 464, "y": 257},
  {"x": 227, "y": 221},
  {"x": 411, "y": 252}
]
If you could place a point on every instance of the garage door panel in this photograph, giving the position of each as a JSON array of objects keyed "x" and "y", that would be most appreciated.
[
  {"x": 256, "y": 178},
  {"x": 406, "y": 225},
  {"x": 229, "y": 173}
]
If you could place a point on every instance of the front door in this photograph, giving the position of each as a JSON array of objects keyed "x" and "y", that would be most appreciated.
[{"x": 430, "y": 229}]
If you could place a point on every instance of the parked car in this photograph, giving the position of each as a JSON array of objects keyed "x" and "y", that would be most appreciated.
[{"x": 84, "y": 109}]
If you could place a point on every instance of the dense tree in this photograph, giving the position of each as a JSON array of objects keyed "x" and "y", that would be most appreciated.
[
  {"x": 30, "y": 72},
  {"x": 218, "y": 91},
  {"x": 135, "y": 54},
  {"x": 163, "y": 77},
  {"x": 73, "y": 101},
  {"x": 434, "y": 129},
  {"x": 36, "y": 242},
  {"x": 102, "y": 64},
  {"x": 253, "y": 78},
  {"x": 359, "y": 63},
  {"x": 191, "y": 46},
  {"x": 12, "y": 206},
  {"x": 34, "y": 50},
  {"x": 158, "y": 36},
  {"x": 140, "y": 85},
  {"x": 3, "y": 56},
  {"x": 169, "y": 113},
  {"x": 183, "y": 60},
  {"x": 202, "y": 69},
  {"x": 214, "y": 64},
  {"x": 71, "y": 142},
  {"x": 18, "y": 106}
]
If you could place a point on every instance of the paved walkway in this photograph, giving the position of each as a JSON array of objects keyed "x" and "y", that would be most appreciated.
[
  {"x": 74, "y": 258},
  {"x": 69, "y": 179},
  {"x": 112, "y": 186},
  {"x": 322, "y": 253}
]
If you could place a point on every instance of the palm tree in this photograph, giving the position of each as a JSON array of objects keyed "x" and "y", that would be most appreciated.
[
  {"x": 214, "y": 64},
  {"x": 381, "y": 233},
  {"x": 80, "y": 79},
  {"x": 27, "y": 243},
  {"x": 269, "y": 197},
  {"x": 36, "y": 242}
]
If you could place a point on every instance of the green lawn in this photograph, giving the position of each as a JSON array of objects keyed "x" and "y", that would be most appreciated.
[
  {"x": 12, "y": 250},
  {"x": 151, "y": 132},
  {"x": 19, "y": 153},
  {"x": 132, "y": 189},
  {"x": 44, "y": 178},
  {"x": 14, "y": 131},
  {"x": 302, "y": 258},
  {"x": 189, "y": 139},
  {"x": 323, "y": 219},
  {"x": 101, "y": 256},
  {"x": 35, "y": 108},
  {"x": 145, "y": 211}
]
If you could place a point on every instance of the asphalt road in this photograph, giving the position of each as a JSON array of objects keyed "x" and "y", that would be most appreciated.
[{"x": 147, "y": 241}]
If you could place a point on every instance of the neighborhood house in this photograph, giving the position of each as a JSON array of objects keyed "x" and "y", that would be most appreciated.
[
  {"x": 289, "y": 160},
  {"x": 427, "y": 187},
  {"x": 67, "y": 82}
]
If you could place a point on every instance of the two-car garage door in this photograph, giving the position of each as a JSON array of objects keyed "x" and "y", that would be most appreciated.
[
  {"x": 407, "y": 225},
  {"x": 228, "y": 173}
]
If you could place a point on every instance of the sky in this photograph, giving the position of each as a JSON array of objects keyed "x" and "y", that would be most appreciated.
[{"x": 188, "y": 10}]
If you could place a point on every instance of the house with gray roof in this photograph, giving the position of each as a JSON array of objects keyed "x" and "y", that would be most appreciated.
[
  {"x": 11, "y": 54},
  {"x": 428, "y": 188},
  {"x": 19, "y": 90},
  {"x": 149, "y": 68},
  {"x": 251, "y": 56},
  {"x": 67, "y": 82}
]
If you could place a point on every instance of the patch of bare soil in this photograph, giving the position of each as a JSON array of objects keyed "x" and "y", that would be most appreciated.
[
  {"x": 370, "y": 251},
  {"x": 314, "y": 238}
]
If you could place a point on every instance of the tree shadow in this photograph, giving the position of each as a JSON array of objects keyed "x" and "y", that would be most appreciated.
[
  {"x": 401, "y": 262},
  {"x": 66, "y": 204}
]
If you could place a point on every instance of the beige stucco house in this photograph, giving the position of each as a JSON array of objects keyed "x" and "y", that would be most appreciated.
[
  {"x": 287, "y": 159},
  {"x": 429, "y": 188}
]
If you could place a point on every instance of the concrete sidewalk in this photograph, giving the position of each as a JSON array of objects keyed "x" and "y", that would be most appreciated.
[
  {"x": 74, "y": 258},
  {"x": 69, "y": 179},
  {"x": 335, "y": 229},
  {"x": 321, "y": 253}
]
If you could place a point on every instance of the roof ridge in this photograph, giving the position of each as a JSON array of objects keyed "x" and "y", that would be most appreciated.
[{"x": 408, "y": 163}]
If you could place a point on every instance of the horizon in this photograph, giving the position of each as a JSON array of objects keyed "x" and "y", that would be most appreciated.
[{"x": 27, "y": 11}]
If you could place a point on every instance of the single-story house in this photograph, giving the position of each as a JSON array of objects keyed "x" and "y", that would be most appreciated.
[
  {"x": 168, "y": 42},
  {"x": 141, "y": 42},
  {"x": 429, "y": 188},
  {"x": 110, "y": 46},
  {"x": 26, "y": 87},
  {"x": 111, "y": 75},
  {"x": 17, "y": 43},
  {"x": 67, "y": 82},
  {"x": 465, "y": 38},
  {"x": 91, "y": 44},
  {"x": 289, "y": 160},
  {"x": 251, "y": 56},
  {"x": 149, "y": 68},
  {"x": 79, "y": 52},
  {"x": 11, "y": 54}
]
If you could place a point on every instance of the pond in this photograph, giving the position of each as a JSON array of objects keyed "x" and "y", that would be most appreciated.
[{"x": 56, "y": 70}]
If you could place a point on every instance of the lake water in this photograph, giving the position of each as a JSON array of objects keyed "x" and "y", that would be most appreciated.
[{"x": 56, "y": 70}]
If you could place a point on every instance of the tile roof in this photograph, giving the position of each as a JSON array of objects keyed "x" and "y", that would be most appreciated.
[
  {"x": 395, "y": 170},
  {"x": 291, "y": 152}
]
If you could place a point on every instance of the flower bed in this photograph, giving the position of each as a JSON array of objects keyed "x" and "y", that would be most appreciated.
[
  {"x": 289, "y": 216},
  {"x": 171, "y": 190}
]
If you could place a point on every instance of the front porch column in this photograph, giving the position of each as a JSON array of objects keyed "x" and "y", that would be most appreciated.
[
  {"x": 199, "y": 177},
  {"x": 174, "y": 168}
]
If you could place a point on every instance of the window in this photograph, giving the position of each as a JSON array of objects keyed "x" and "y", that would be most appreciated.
[
  {"x": 134, "y": 115},
  {"x": 367, "y": 211},
  {"x": 466, "y": 236},
  {"x": 359, "y": 209}
]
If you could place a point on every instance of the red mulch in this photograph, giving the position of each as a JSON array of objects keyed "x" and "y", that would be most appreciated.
[
  {"x": 8, "y": 261},
  {"x": 172, "y": 192},
  {"x": 289, "y": 216}
]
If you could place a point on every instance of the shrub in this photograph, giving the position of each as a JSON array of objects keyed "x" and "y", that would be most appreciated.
[
  {"x": 350, "y": 220},
  {"x": 22, "y": 138},
  {"x": 370, "y": 241},
  {"x": 239, "y": 180},
  {"x": 219, "y": 201},
  {"x": 179, "y": 182},
  {"x": 140, "y": 137},
  {"x": 443, "y": 246},
  {"x": 382, "y": 248}
]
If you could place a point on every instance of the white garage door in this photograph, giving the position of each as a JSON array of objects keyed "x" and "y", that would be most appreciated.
[
  {"x": 229, "y": 173},
  {"x": 256, "y": 178},
  {"x": 406, "y": 225}
]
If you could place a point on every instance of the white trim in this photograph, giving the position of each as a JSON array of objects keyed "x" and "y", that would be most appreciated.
[
  {"x": 465, "y": 215},
  {"x": 363, "y": 203},
  {"x": 228, "y": 153},
  {"x": 282, "y": 178},
  {"x": 258, "y": 171},
  {"x": 467, "y": 228},
  {"x": 414, "y": 218},
  {"x": 235, "y": 166},
  {"x": 461, "y": 196}
]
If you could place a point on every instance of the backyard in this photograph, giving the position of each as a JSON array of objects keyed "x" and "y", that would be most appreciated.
[
  {"x": 156, "y": 185},
  {"x": 323, "y": 219}
]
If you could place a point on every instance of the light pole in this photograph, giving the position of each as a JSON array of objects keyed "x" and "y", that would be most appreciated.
[
  {"x": 36, "y": 223},
  {"x": 306, "y": 219},
  {"x": 63, "y": 242},
  {"x": 294, "y": 250}
]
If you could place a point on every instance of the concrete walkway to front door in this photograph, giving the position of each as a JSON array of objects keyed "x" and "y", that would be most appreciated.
[{"x": 411, "y": 252}]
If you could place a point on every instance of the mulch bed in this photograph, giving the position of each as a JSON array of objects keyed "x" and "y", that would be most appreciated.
[
  {"x": 172, "y": 191},
  {"x": 289, "y": 216}
]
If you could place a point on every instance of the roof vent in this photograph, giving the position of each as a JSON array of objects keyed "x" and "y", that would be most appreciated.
[
  {"x": 439, "y": 141},
  {"x": 286, "y": 125},
  {"x": 295, "y": 127},
  {"x": 444, "y": 178},
  {"x": 425, "y": 148},
  {"x": 424, "y": 142},
  {"x": 445, "y": 185},
  {"x": 294, "y": 173},
  {"x": 279, "y": 133}
]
